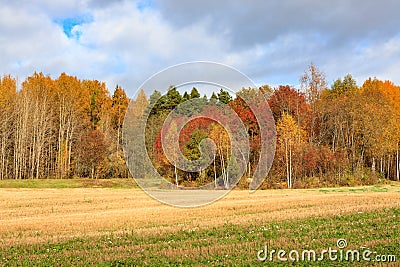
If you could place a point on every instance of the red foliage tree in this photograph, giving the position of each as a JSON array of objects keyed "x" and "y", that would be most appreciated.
[
  {"x": 288, "y": 100},
  {"x": 92, "y": 150}
]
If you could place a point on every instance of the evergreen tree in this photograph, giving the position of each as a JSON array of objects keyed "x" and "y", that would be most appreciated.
[
  {"x": 194, "y": 93},
  {"x": 224, "y": 96},
  {"x": 173, "y": 98},
  {"x": 157, "y": 102},
  {"x": 186, "y": 96},
  {"x": 340, "y": 87},
  {"x": 213, "y": 98}
]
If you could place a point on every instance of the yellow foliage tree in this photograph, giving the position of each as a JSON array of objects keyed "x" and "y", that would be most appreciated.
[{"x": 290, "y": 136}]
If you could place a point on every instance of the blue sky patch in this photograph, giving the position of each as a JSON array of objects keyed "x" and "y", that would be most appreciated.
[
  {"x": 68, "y": 24},
  {"x": 144, "y": 4}
]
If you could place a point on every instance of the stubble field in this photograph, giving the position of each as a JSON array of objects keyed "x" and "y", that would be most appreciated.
[{"x": 111, "y": 227}]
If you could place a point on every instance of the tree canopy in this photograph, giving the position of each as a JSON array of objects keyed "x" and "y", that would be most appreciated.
[{"x": 342, "y": 134}]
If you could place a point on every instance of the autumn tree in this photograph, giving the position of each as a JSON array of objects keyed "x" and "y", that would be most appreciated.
[
  {"x": 101, "y": 113},
  {"x": 8, "y": 92},
  {"x": 266, "y": 90},
  {"x": 100, "y": 104},
  {"x": 223, "y": 144},
  {"x": 119, "y": 105},
  {"x": 392, "y": 93},
  {"x": 243, "y": 110},
  {"x": 91, "y": 152},
  {"x": 288, "y": 133},
  {"x": 312, "y": 83},
  {"x": 114, "y": 163},
  {"x": 288, "y": 100},
  {"x": 339, "y": 108},
  {"x": 71, "y": 103},
  {"x": 168, "y": 145},
  {"x": 34, "y": 133},
  {"x": 378, "y": 136},
  {"x": 134, "y": 135}
]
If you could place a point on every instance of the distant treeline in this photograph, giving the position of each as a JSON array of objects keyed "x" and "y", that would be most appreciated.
[{"x": 341, "y": 134}]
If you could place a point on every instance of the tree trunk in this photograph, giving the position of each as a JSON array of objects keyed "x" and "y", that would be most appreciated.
[
  {"x": 215, "y": 175},
  {"x": 397, "y": 165},
  {"x": 222, "y": 159},
  {"x": 373, "y": 164},
  {"x": 227, "y": 171},
  {"x": 287, "y": 164},
  {"x": 176, "y": 177},
  {"x": 290, "y": 167},
  {"x": 249, "y": 170}
]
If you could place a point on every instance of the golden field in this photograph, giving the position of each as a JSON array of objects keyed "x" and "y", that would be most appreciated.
[{"x": 30, "y": 217}]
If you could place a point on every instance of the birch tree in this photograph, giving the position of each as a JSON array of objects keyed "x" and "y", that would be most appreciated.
[
  {"x": 8, "y": 91},
  {"x": 33, "y": 128},
  {"x": 223, "y": 145},
  {"x": 288, "y": 139},
  {"x": 312, "y": 83},
  {"x": 70, "y": 105}
]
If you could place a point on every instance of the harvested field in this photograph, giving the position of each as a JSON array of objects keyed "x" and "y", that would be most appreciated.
[{"x": 104, "y": 226}]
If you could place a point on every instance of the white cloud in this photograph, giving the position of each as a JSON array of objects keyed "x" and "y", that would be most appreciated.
[
  {"x": 124, "y": 45},
  {"x": 145, "y": 43}
]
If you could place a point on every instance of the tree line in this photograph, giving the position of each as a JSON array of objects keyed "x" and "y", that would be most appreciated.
[
  {"x": 343, "y": 134},
  {"x": 60, "y": 128},
  {"x": 339, "y": 134}
]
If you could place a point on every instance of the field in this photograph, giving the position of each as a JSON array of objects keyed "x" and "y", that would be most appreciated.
[{"x": 116, "y": 224}]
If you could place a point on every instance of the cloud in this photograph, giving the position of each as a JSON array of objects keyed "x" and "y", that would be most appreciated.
[
  {"x": 293, "y": 33},
  {"x": 144, "y": 43},
  {"x": 125, "y": 42},
  {"x": 258, "y": 21}
]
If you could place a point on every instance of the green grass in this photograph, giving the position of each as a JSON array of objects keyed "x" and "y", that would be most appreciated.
[
  {"x": 69, "y": 183},
  {"x": 360, "y": 189},
  {"x": 229, "y": 244},
  {"x": 130, "y": 183}
]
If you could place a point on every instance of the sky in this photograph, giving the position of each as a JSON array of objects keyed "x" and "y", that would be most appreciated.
[{"x": 125, "y": 42}]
